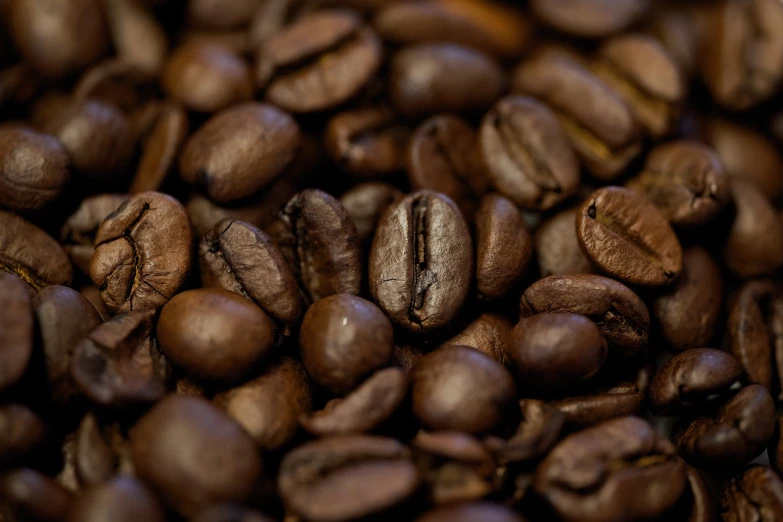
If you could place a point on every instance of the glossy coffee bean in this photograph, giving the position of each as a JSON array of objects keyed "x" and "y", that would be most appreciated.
[
  {"x": 27, "y": 494},
  {"x": 213, "y": 334},
  {"x": 468, "y": 512},
  {"x": 366, "y": 203},
  {"x": 602, "y": 405},
  {"x": 143, "y": 253},
  {"x": 755, "y": 494},
  {"x": 16, "y": 329},
  {"x": 219, "y": 157},
  {"x": 628, "y": 238},
  {"x": 557, "y": 247},
  {"x": 461, "y": 389},
  {"x": 488, "y": 333},
  {"x": 422, "y": 242},
  {"x": 589, "y": 18},
  {"x": 160, "y": 149},
  {"x": 165, "y": 440},
  {"x": 78, "y": 232},
  {"x": 123, "y": 499},
  {"x": 343, "y": 339}
]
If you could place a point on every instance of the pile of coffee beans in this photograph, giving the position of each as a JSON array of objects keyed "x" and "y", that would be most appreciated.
[{"x": 391, "y": 260}]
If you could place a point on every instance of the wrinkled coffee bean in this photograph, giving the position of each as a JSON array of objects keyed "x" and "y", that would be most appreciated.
[
  {"x": 366, "y": 203},
  {"x": 488, "y": 333},
  {"x": 756, "y": 494},
  {"x": 589, "y": 18},
  {"x": 16, "y": 329},
  {"x": 122, "y": 499},
  {"x": 557, "y": 246},
  {"x": 160, "y": 149},
  {"x": 588, "y": 410},
  {"x": 78, "y": 232}
]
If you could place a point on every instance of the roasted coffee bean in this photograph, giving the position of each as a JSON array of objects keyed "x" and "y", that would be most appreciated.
[
  {"x": 433, "y": 78},
  {"x": 628, "y": 238},
  {"x": 483, "y": 511},
  {"x": 16, "y": 329},
  {"x": 367, "y": 142},
  {"x": 318, "y": 62},
  {"x": 754, "y": 245},
  {"x": 598, "y": 123},
  {"x": 621, "y": 316},
  {"x": 461, "y": 389},
  {"x": 160, "y": 149},
  {"x": 346, "y": 477},
  {"x": 207, "y": 78},
  {"x": 556, "y": 352},
  {"x": 687, "y": 312},
  {"x": 114, "y": 82},
  {"x": 229, "y": 513},
  {"x": 688, "y": 381},
  {"x": 527, "y": 154},
  {"x": 269, "y": 407},
  {"x": 739, "y": 81},
  {"x": 557, "y": 246},
  {"x": 538, "y": 431},
  {"x": 421, "y": 262},
  {"x": 701, "y": 503},
  {"x": 29, "y": 253},
  {"x": 756, "y": 494},
  {"x": 320, "y": 244},
  {"x": 736, "y": 434},
  {"x": 488, "y": 333},
  {"x": 343, "y": 339},
  {"x": 78, "y": 232},
  {"x": 442, "y": 156},
  {"x": 165, "y": 441},
  {"x": 686, "y": 181},
  {"x": 122, "y": 499},
  {"x": 138, "y": 37},
  {"x": 588, "y": 410},
  {"x": 119, "y": 363},
  {"x": 219, "y": 156},
  {"x": 756, "y": 330},
  {"x": 369, "y": 405},
  {"x": 214, "y": 335},
  {"x": 590, "y": 18},
  {"x": 34, "y": 169},
  {"x": 597, "y": 474},
  {"x": 239, "y": 257},
  {"x": 26, "y": 494},
  {"x": 21, "y": 433},
  {"x": 366, "y": 203}
]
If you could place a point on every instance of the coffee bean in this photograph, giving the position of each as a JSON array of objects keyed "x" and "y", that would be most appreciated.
[
  {"x": 527, "y": 153},
  {"x": 461, "y": 389},
  {"x": 366, "y": 203},
  {"x": 229, "y": 513},
  {"x": 113, "y": 82},
  {"x": 538, "y": 431},
  {"x": 687, "y": 312},
  {"x": 165, "y": 440},
  {"x": 590, "y": 18},
  {"x": 602, "y": 405},
  {"x": 78, "y": 232},
  {"x": 26, "y": 494},
  {"x": 557, "y": 246},
  {"x": 122, "y": 499},
  {"x": 702, "y": 505},
  {"x": 421, "y": 262},
  {"x": 621, "y": 316},
  {"x": 21, "y": 433},
  {"x": 318, "y": 62},
  {"x": 160, "y": 148},
  {"x": 757, "y": 494},
  {"x": 488, "y": 333},
  {"x": 686, "y": 181},
  {"x": 138, "y": 37},
  {"x": 16, "y": 329},
  {"x": 443, "y": 156},
  {"x": 631, "y": 458},
  {"x": 434, "y": 78},
  {"x": 218, "y": 157},
  {"x": 628, "y": 238},
  {"x": 346, "y": 477},
  {"x": 484, "y": 511}
]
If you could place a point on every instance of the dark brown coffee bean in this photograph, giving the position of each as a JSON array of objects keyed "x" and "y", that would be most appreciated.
[
  {"x": 557, "y": 246},
  {"x": 461, "y": 389},
  {"x": 26, "y": 494},
  {"x": 367, "y": 142},
  {"x": 114, "y": 82},
  {"x": 16, "y": 329},
  {"x": 269, "y": 407},
  {"x": 346, "y": 477},
  {"x": 686, "y": 181},
  {"x": 687, "y": 312},
  {"x": 34, "y": 169},
  {"x": 736, "y": 80},
  {"x": 95, "y": 460},
  {"x": 503, "y": 247},
  {"x": 21, "y": 433},
  {"x": 214, "y": 335},
  {"x": 488, "y": 334},
  {"x": 239, "y": 257},
  {"x": 756, "y": 330},
  {"x": 484, "y": 511},
  {"x": 318, "y": 62},
  {"x": 598, "y": 123},
  {"x": 365, "y": 203},
  {"x": 369, "y": 405},
  {"x": 207, "y": 78},
  {"x": 58, "y": 38},
  {"x": 165, "y": 441},
  {"x": 538, "y": 431},
  {"x": 627, "y": 237},
  {"x": 320, "y": 244},
  {"x": 527, "y": 154},
  {"x": 701, "y": 505},
  {"x": 78, "y": 232},
  {"x": 427, "y": 79},
  {"x": 343, "y": 339},
  {"x": 756, "y": 494},
  {"x": 620, "y": 468},
  {"x": 754, "y": 245},
  {"x": 588, "y": 410},
  {"x": 138, "y": 37},
  {"x": 690, "y": 379},
  {"x": 736, "y": 434},
  {"x": 640, "y": 69},
  {"x": 29, "y": 253},
  {"x": 214, "y": 15},
  {"x": 589, "y": 18},
  {"x": 421, "y": 262},
  {"x": 219, "y": 158},
  {"x": 143, "y": 252},
  {"x": 122, "y": 499},
  {"x": 119, "y": 363},
  {"x": 443, "y": 156},
  {"x": 160, "y": 149},
  {"x": 621, "y": 316}
]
